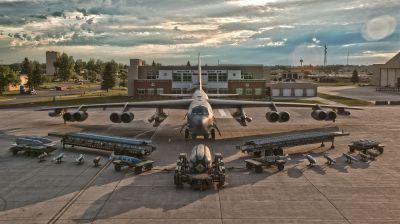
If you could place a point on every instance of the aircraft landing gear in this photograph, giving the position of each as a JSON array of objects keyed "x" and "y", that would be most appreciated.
[
  {"x": 186, "y": 134},
  {"x": 212, "y": 134}
]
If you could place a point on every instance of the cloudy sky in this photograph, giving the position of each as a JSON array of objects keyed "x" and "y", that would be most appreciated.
[{"x": 266, "y": 32}]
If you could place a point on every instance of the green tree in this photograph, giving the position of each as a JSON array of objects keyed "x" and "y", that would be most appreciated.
[
  {"x": 354, "y": 78},
  {"x": 188, "y": 63},
  {"x": 91, "y": 70},
  {"x": 65, "y": 67},
  {"x": 26, "y": 67},
  {"x": 7, "y": 77},
  {"x": 109, "y": 75},
  {"x": 153, "y": 64},
  {"x": 99, "y": 67},
  {"x": 123, "y": 77},
  {"x": 35, "y": 78},
  {"x": 79, "y": 66}
]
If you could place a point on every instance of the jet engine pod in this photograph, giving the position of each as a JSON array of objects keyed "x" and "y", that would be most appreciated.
[
  {"x": 342, "y": 111},
  {"x": 272, "y": 116},
  {"x": 55, "y": 113},
  {"x": 127, "y": 117},
  {"x": 319, "y": 115},
  {"x": 115, "y": 117},
  {"x": 80, "y": 116},
  {"x": 331, "y": 116},
  {"x": 68, "y": 116},
  {"x": 284, "y": 116}
]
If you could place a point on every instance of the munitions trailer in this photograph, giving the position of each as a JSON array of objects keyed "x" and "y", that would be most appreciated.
[
  {"x": 364, "y": 145},
  {"x": 267, "y": 161}
]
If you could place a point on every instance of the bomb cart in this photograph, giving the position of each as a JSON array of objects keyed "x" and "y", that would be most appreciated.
[
  {"x": 200, "y": 170},
  {"x": 138, "y": 165},
  {"x": 267, "y": 161},
  {"x": 366, "y": 146},
  {"x": 32, "y": 146}
]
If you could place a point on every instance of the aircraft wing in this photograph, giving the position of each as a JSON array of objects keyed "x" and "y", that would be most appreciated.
[
  {"x": 221, "y": 104},
  {"x": 167, "y": 104}
]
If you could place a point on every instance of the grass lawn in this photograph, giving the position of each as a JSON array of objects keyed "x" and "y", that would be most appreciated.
[{"x": 344, "y": 100}]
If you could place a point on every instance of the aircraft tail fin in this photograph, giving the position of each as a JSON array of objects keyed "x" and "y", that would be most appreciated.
[{"x": 199, "y": 73}]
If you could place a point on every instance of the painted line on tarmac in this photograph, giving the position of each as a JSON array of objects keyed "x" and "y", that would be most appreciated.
[{"x": 58, "y": 215}]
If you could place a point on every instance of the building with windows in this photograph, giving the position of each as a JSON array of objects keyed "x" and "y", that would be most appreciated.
[
  {"x": 248, "y": 81},
  {"x": 146, "y": 80},
  {"x": 51, "y": 57},
  {"x": 387, "y": 76}
]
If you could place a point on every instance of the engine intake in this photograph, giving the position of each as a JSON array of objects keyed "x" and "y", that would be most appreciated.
[
  {"x": 80, "y": 116},
  {"x": 284, "y": 116},
  {"x": 125, "y": 117},
  {"x": 319, "y": 115},
  {"x": 68, "y": 116},
  {"x": 115, "y": 117},
  {"x": 331, "y": 116},
  {"x": 272, "y": 116}
]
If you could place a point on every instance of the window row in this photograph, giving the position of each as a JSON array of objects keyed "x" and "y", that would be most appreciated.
[
  {"x": 150, "y": 91},
  {"x": 249, "y": 91}
]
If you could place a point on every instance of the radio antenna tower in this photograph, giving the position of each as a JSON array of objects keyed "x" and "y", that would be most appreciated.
[{"x": 325, "y": 53}]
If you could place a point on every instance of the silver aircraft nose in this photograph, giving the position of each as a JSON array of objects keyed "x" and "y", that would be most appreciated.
[{"x": 198, "y": 123}]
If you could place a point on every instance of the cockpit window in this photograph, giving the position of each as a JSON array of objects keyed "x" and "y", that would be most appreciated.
[{"x": 200, "y": 110}]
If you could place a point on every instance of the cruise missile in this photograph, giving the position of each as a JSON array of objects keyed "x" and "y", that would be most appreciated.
[
  {"x": 80, "y": 159},
  {"x": 96, "y": 161},
  {"x": 59, "y": 158},
  {"x": 312, "y": 161},
  {"x": 330, "y": 160},
  {"x": 42, "y": 157},
  {"x": 349, "y": 158}
]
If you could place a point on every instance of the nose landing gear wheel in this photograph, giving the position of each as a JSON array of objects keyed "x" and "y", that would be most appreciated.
[{"x": 213, "y": 134}]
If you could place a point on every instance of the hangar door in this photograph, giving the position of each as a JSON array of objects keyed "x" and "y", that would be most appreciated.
[
  {"x": 298, "y": 92},
  {"x": 276, "y": 92},
  {"x": 287, "y": 92},
  {"x": 310, "y": 92}
]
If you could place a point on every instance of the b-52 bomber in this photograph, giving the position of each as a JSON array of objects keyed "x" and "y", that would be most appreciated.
[{"x": 200, "y": 119}]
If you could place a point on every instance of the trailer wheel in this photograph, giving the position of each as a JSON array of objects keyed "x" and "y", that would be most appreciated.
[
  {"x": 281, "y": 167},
  {"x": 178, "y": 180},
  {"x": 249, "y": 166},
  {"x": 278, "y": 151},
  {"x": 380, "y": 149},
  {"x": 257, "y": 153},
  {"x": 258, "y": 169},
  {"x": 138, "y": 170},
  {"x": 117, "y": 167},
  {"x": 149, "y": 166},
  {"x": 221, "y": 182}
]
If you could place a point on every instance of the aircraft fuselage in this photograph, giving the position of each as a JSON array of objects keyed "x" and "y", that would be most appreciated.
[{"x": 200, "y": 117}]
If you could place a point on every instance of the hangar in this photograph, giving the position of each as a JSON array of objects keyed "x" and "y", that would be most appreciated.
[{"x": 387, "y": 76}]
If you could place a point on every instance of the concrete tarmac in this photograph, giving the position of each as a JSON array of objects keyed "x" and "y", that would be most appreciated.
[{"x": 33, "y": 192}]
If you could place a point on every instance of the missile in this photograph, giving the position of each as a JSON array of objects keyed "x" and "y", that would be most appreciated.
[
  {"x": 59, "y": 158},
  {"x": 312, "y": 161},
  {"x": 96, "y": 161},
  {"x": 42, "y": 157},
  {"x": 349, "y": 158},
  {"x": 80, "y": 159},
  {"x": 330, "y": 160}
]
